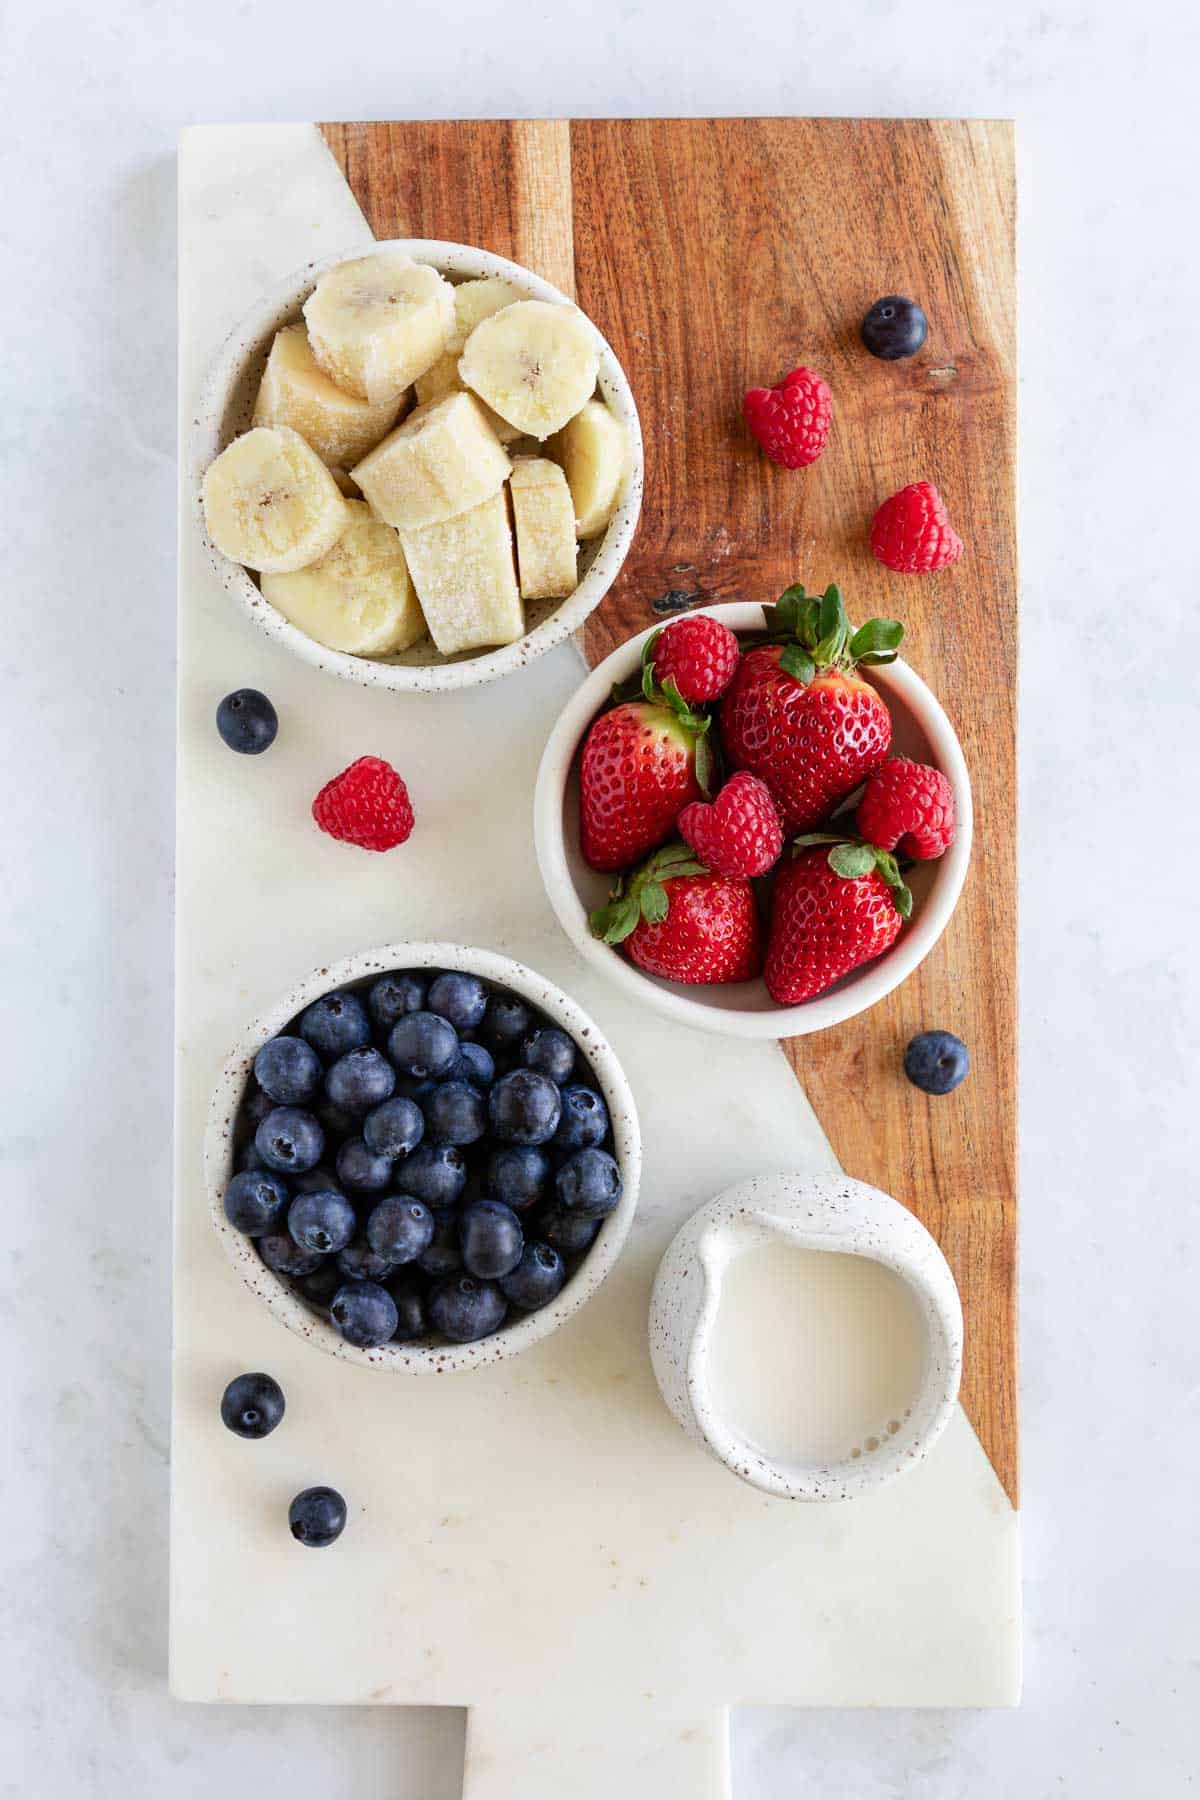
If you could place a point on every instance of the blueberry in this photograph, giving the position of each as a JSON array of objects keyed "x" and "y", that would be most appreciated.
[
  {"x": 255, "y": 1108},
  {"x": 463, "y": 1309},
  {"x": 363, "y": 1169},
  {"x": 335, "y": 1024},
  {"x": 894, "y": 328},
  {"x": 435, "y": 1173},
  {"x": 422, "y": 1044},
  {"x": 551, "y": 1052},
  {"x": 407, "y": 1288},
  {"x": 392, "y": 996},
  {"x": 524, "y": 1107},
  {"x": 475, "y": 1064},
  {"x": 252, "y": 1405},
  {"x": 409, "y": 1088},
  {"x": 568, "y": 1231},
  {"x": 247, "y": 721},
  {"x": 323, "y": 1283},
  {"x": 359, "y": 1262},
  {"x": 400, "y": 1228},
  {"x": 584, "y": 1121},
  {"x": 290, "y": 1141},
  {"x": 248, "y": 1158},
  {"x": 456, "y": 1113},
  {"x": 288, "y": 1071},
  {"x": 443, "y": 1256},
  {"x": 936, "y": 1061},
  {"x": 255, "y": 1201},
  {"x": 519, "y": 1175},
  {"x": 280, "y": 1251},
  {"x": 460, "y": 998},
  {"x": 317, "y": 1517},
  {"x": 505, "y": 1022},
  {"x": 537, "y": 1278},
  {"x": 323, "y": 1221},
  {"x": 360, "y": 1080},
  {"x": 491, "y": 1239},
  {"x": 589, "y": 1183},
  {"x": 394, "y": 1128},
  {"x": 364, "y": 1313}
]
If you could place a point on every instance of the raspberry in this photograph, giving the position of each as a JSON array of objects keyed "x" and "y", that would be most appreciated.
[
  {"x": 698, "y": 654},
  {"x": 791, "y": 420},
  {"x": 912, "y": 533},
  {"x": 739, "y": 834},
  {"x": 367, "y": 804},
  {"x": 909, "y": 808}
]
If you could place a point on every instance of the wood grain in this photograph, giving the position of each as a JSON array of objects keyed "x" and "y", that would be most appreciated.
[{"x": 715, "y": 255}]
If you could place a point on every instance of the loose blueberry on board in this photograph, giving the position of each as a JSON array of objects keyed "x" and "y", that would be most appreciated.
[
  {"x": 443, "y": 1256},
  {"x": 475, "y": 1064},
  {"x": 360, "y": 1080},
  {"x": 280, "y": 1251},
  {"x": 491, "y": 1239},
  {"x": 407, "y": 1288},
  {"x": 395, "y": 1128},
  {"x": 359, "y": 1262},
  {"x": 400, "y": 1228},
  {"x": 363, "y": 1169},
  {"x": 551, "y": 1052},
  {"x": 569, "y": 1232},
  {"x": 519, "y": 1175},
  {"x": 537, "y": 1278},
  {"x": 505, "y": 1023},
  {"x": 247, "y": 721},
  {"x": 335, "y": 1024},
  {"x": 894, "y": 328},
  {"x": 936, "y": 1062},
  {"x": 323, "y": 1221},
  {"x": 392, "y": 996},
  {"x": 364, "y": 1313},
  {"x": 464, "y": 1309},
  {"x": 252, "y": 1405},
  {"x": 589, "y": 1183},
  {"x": 524, "y": 1108},
  {"x": 290, "y": 1140},
  {"x": 288, "y": 1071},
  {"x": 317, "y": 1517},
  {"x": 424, "y": 1045},
  {"x": 456, "y": 1113},
  {"x": 255, "y": 1201},
  {"x": 435, "y": 1173},
  {"x": 460, "y": 998},
  {"x": 584, "y": 1121}
]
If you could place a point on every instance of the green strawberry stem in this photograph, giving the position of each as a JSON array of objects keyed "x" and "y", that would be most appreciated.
[
  {"x": 851, "y": 859},
  {"x": 818, "y": 635},
  {"x": 643, "y": 895}
]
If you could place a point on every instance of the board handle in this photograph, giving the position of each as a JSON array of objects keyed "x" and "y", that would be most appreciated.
[{"x": 542, "y": 1747}]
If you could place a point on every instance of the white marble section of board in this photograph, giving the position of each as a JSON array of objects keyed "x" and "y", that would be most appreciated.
[{"x": 672, "y": 1585}]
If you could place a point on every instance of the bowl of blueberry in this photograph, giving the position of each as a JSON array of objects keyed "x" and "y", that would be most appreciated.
[{"x": 424, "y": 1158}]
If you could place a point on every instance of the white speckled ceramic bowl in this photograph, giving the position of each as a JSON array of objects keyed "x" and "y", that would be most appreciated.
[
  {"x": 225, "y": 411},
  {"x": 410, "y": 1359},
  {"x": 811, "y": 1212},
  {"x": 745, "y": 1009}
]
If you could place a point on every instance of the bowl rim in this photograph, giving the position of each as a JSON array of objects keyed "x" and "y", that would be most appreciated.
[
  {"x": 862, "y": 990},
  {"x": 470, "y": 263},
  {"x": 511, "y": 1339}
]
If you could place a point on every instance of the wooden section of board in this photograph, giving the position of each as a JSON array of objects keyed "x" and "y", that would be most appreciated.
[{"x": 715, "y": 255}]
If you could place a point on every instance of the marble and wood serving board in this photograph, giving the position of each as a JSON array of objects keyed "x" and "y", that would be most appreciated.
[{"x": 538, "y": 1541}]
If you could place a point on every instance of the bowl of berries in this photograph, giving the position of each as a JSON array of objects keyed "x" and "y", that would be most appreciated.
[
  {"x": 425, "y": 1158},
  {"x": 756, "y": 819}
]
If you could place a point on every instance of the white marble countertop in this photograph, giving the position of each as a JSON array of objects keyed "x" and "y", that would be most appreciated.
[{"x": 1110, "y": 270}]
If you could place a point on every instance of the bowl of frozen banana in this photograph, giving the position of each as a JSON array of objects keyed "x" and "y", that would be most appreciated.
[{"x": 419, "y": 467}]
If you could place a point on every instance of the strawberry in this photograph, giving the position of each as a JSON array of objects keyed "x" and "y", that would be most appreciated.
[
  {"x": 699, "y": 654},
  {"x": 643, "y": 762},
  {"x": 908, "y": 807},
  {"x": 677, "y": 920},
  {"x": 832, "y": 909},
  {"x": 796, "y": 714},
  {"x": 739, "y": 833},
  {"x": 912, "y": 534},
  {"x": 790, "y": 421}
]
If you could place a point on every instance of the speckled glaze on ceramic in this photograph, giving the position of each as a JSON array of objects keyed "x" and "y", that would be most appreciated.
[
  {"x": 225, "y": 412},
  {"x": 745, "y": 1009},
  {"x": 409, "y": 1359},
  {"x": 810, "y": 1212}
]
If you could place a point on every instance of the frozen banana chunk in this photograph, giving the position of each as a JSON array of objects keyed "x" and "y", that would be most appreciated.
[
  {"x": 535, "y": 363},
  {"x": 270, "y": 502},
  {"x": 377, "y": 322},
  {"x": 296, "y": 391},
  {"x": 544, "y": 517},
  {"x": 359, "y": 597},
  {"x": 475, "y": 301},
  {"x": 593, "y": 452},
  {"x": 463, "y": 572},
  {"x": 443, "y": 460}
]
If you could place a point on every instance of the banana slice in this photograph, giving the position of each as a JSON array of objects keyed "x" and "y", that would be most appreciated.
[
  {"x": 534, "y": 363},
  {"x": 359, "y": 597},
  {"x": 270, "y": 502},
  {"x": 462, "y": 569},
  {"x": 296, "y": 391},
  {"x": 475, "y": 301},
  {"x": 377, "y": 322},
  {"x": 544, "y": 517},
  {"x": 443, "y": 460},
  {"x": 592, "y": 450}
]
